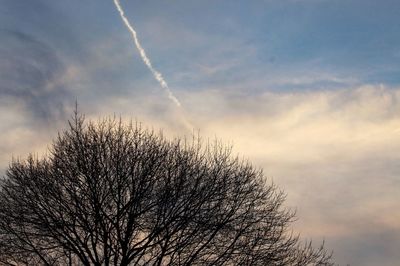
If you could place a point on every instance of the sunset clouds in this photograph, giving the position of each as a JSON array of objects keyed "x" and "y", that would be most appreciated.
[{"x": 309, "y": 91}]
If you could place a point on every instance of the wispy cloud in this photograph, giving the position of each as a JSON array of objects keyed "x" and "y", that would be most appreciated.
[{"x": 29, "y": 73}]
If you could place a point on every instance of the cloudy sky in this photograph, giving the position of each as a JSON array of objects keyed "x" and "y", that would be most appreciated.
[{"x": 309, "y": 90}]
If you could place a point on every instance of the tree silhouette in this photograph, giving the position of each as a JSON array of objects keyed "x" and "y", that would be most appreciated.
[{"x": 115, "y": 194}]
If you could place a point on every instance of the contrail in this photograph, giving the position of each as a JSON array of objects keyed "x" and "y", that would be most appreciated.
[{"x": 157, "y": 75}]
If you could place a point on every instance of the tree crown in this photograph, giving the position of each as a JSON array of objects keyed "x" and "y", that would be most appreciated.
[{"x": 110, "y": 193}]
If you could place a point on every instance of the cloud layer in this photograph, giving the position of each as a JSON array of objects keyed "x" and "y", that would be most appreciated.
[
  {"x": 334, "y": 152},
  {"x": 30, "y": 72}
]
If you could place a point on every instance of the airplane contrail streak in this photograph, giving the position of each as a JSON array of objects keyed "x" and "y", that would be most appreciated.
[{"x": 157, "y": 75}]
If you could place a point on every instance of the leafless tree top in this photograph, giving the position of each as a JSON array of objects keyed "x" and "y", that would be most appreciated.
[{"x": 115, "y": 194}]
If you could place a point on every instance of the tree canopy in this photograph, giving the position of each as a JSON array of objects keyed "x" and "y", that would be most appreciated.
[{"x": 109, "y": 193}]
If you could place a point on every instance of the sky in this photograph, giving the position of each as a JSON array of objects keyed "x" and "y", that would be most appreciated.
[{"x": 307, "y": 90}]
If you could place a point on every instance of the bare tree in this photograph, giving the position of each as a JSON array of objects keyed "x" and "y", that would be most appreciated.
[{"x": 115, "y": 194}]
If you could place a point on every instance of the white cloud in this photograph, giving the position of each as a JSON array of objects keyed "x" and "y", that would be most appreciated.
[{"x": 334, "y": 152}]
